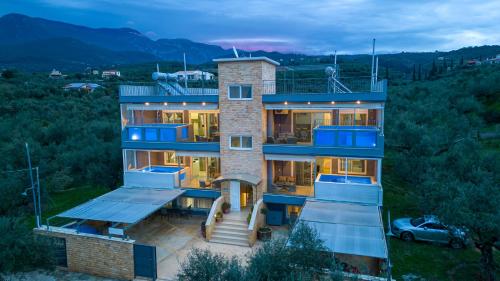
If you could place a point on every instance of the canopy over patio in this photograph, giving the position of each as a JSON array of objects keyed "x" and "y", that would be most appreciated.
[
  {"x": 127, "y": 205},
  {"x": 347, "y": 228}
]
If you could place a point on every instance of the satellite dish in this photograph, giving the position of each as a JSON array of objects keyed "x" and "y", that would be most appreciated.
[{"x": 235, "y": 52}]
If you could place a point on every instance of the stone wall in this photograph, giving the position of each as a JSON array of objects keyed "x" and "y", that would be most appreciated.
[
  {"x": 243, "y": 117},
  {"x": 96, "y": 254}
]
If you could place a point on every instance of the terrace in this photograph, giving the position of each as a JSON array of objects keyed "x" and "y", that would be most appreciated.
[
  {"x": 326, "y": 85},
  {"x": 161, "y": 123},
  {"x": 168, "y": 169},
  {"x": 328, "y": 178},
  {"x": 169, "y": 88},
  {"x": 348, "y": 180}
]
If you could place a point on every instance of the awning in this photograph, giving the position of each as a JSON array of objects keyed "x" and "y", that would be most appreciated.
[
  {"x": 174, "y": 106},
  {"x": 124, "y": 205},
  {"x": 197, "y": 153},
  {"x": 298, "y": 158},
  {"x": 319, "y": 106},
  {"x": 253, "y": 180},
  {"x": 347, "y": 228}
]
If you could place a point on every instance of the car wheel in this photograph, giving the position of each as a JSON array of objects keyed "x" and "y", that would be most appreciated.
[
  {"x": 407, "y": 236},
  {"x": 456, "y": 244}
]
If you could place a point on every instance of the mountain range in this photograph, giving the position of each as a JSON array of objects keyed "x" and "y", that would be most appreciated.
[{"x": 37, "y": 44}]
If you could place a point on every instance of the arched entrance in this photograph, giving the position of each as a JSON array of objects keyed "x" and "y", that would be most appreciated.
[{"x": 238, "y": 190}]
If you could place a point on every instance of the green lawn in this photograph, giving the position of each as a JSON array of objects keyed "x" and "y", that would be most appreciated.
[
  {"x": 64, "y": 200},
  {"x": 430, "y": 261}
]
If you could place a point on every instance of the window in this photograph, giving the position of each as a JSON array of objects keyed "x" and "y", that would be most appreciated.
[
  {"x": 240, "y": 142},
  {"x": 240, "y": 92},
  {"x": 354, "y": 166}
]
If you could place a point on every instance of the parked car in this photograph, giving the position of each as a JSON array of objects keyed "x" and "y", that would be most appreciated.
[{"x": 429, "y": 228}]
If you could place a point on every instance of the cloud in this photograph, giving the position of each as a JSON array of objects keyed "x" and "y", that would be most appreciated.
[{"x": 311, "y": 26}]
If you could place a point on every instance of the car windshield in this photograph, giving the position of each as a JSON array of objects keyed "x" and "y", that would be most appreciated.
[{"x": 417, "y": 221}]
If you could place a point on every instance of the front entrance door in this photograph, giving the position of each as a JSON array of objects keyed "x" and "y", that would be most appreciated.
[{"x": 234, "y": 193}]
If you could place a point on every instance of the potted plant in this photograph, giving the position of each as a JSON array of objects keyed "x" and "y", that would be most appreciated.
[
  {"x": 226, "y": 207},
  {"x": 218, "y": 216},
  {"x": 203, "y": 229},
  {"x": 264, "y": 233}
]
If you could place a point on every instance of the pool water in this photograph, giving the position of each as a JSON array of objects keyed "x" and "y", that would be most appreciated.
[
  {"x": 161, "y": 169},
  {"x": 342, "y": 179}
]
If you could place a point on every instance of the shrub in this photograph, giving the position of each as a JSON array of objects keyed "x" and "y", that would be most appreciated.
[
  {"x": 201, "y": 264},
  {"x": 21, "y": 249}
]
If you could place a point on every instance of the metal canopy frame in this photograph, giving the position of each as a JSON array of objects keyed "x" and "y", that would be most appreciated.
[{"x": 125, "y": 205}]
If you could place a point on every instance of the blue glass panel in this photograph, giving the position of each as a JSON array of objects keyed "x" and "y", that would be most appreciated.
[
  {"x": 134, "y": 134},
  {"x": 345, "y": 138},
  {"x": 184, "y": 132},
  {"x": 366, "y": 139},
  {"x": 151, "y": 134},
  {"x": 167, "y": 134},
  {"x": 324, "y": 137}
]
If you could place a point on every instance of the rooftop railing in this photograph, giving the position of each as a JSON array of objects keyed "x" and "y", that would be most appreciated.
[
  {"x": 323, "y": 86},
  {"x": 170, "y": 88}
]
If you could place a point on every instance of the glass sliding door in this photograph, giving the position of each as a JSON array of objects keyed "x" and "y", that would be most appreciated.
[{"x": 302, "y": 126}]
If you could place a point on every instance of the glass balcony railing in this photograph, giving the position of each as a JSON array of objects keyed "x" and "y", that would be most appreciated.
[
  {"x": 165, "y": 133},
  {"x": 325, "y": 85},
  {"x": 170, "y": 88},
  {"x": 346, "y": 136}
]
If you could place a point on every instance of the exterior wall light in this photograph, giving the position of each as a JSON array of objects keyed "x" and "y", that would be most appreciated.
[
  {"x": 146, "y": 104},
  {"x": 333, "y": 102},
  {"x": 308, "y": 102},
  {"x": 165, "y": 103},
  {"x": 203, "y": 104},
  {"x": 286, "y": 103},
  {"x": 184, "y": 103},
  {"x": 358, "y": 102}
]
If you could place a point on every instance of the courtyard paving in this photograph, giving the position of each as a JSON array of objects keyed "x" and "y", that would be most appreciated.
[{"x": 174, "y": 238}]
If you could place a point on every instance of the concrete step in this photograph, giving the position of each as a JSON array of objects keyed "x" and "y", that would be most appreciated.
[
  {"x": 228, "y": 240},
  {"x": 232, "y": 228},
  {"x": 233, "y": 223},
  {"x": 231, "y": 233}
]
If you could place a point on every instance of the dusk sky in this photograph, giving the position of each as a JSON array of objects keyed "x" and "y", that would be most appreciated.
[{"x": 307, "y": 26}]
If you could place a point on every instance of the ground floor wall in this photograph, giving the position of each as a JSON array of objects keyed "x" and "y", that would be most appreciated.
[{"x": 95, "y": 254}]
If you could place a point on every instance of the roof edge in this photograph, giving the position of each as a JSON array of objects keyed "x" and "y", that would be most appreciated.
[{"x": 266, "y": 59}]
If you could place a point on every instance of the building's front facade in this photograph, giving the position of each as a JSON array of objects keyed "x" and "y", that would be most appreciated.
[{"x": 256, "y": 137}]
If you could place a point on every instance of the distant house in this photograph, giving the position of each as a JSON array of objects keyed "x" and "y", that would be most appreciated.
[
  {"x": 56, "y": 74},
  {"x": 473, "y": 62},
  {"x": 86, "y": 87},
  {"x": 194, "y": 75},
  {"x": 91, "y": 71},
  {"x": 494, "y": 60},
  {"x": 110, "y": 73}
]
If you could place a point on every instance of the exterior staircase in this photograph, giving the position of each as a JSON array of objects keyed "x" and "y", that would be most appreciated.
[{"x": 232, "y": 230}]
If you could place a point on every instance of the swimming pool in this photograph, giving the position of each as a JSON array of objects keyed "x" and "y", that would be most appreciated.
[
  {"x": 342, "y": 179},
  {"x": 161, "y": 169}
]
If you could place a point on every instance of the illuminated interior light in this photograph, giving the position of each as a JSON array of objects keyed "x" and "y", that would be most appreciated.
[
  {"x": 358, "y": 102},
  {"x": 203, "y": 104},
  {"x": 165, "y": 103},
  {"x": 333, "y": 102},
  {"x": 184, "y": 103},
  {"x": 286, "y": 102},
  {"x": 146, "y": 104}
]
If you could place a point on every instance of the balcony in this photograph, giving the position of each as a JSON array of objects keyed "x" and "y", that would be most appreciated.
[
  {"x": 170, "y": 88},
  {"x": 325, "y": 85},
  {"x": 346, "y": 136},
  {"x": 167, "y": 137},
  {"x": 348, "y": 188}
]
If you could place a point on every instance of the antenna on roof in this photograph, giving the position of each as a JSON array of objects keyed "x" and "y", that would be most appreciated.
[
  {"x": 335, "y": 58},
  {"x": 235, "y": 52},
  {"x": 373, "y": 65},
  {"x": 157, "y": 68}
]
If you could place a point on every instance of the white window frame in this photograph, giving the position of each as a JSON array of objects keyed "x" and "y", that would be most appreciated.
[
  {"x": 241, "y": 143},
  {"x": 240, "y": 86}
]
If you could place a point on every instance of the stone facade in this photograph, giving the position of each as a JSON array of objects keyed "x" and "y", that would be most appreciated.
[
  {"x": 95, "y": 254},
  {"x": 243, "y": 118}
]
